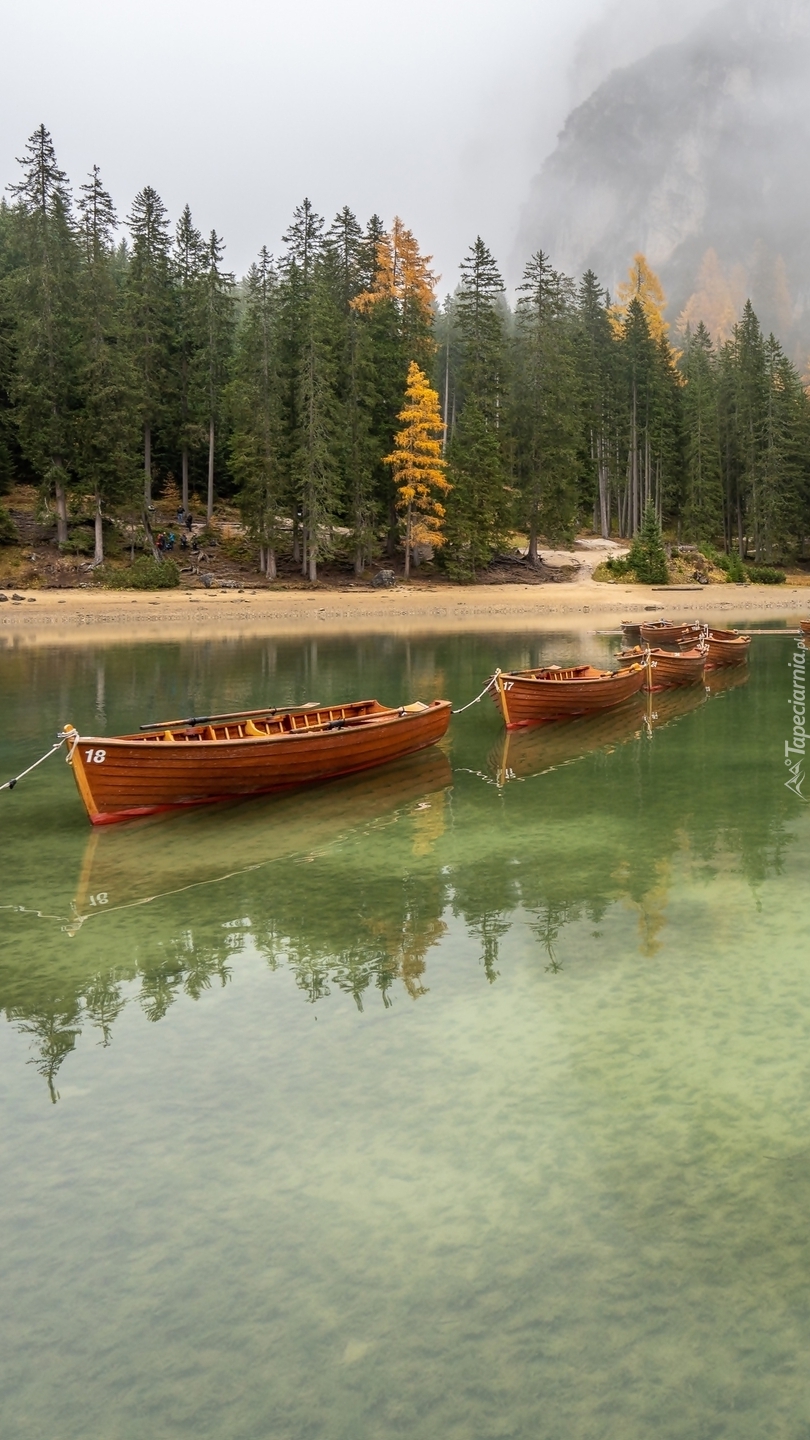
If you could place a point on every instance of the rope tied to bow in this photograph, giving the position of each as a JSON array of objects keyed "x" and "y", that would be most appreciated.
[
  {"x": 61, "y": 738},
  {"x": 492, "y": 680}
]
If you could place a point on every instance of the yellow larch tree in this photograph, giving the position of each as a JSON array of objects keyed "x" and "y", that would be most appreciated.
[
  {"x": 642, "y": 284},
  {"x": 417, "y": 465},
  {"x": 403, "y": 275}
]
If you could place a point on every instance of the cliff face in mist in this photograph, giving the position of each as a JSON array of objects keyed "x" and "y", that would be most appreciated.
[{"x": 699, "y": 156}]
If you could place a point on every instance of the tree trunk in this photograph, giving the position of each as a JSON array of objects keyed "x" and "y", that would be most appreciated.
[
  {"x": 408, "y": 544},
  {"x": 313, "y": 566},
  {"x": 296, "y": 555},
  {"x": 147, "y": 466},
  {"x": 359, "y": 560},
  {"x": 184, "y": 463},
  {"x": 533, "y": 555},
  {"x": 270, "y": 568},
  {"x": 150, "y": 539},
  {"x": 98, "y": 555},
  {"x": 210, "y": 511},
  {"x": 61, "y": 510}
]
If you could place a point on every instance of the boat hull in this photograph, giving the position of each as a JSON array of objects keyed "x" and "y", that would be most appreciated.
[
  {"x": 804, "y": 626},
  {"x": 668, "y": 668},
  {"x": 727, "y": 647},
  {"x": 530, "y": 697},
  {"x": 661, "y": 632},
  {"x": 121, "y": 777}
]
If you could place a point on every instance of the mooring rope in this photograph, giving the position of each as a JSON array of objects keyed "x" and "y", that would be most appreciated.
[
  {"x": 484, "y": 692},
  {"x": 9, "y": 784}
]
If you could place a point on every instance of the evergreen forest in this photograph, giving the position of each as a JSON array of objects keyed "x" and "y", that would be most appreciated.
[{"x": 129, "y": 365}]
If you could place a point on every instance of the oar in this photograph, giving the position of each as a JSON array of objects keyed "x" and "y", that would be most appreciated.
[{"x": 233, "y": 715}]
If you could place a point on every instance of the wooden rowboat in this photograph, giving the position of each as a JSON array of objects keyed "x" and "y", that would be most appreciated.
[
  {"x": 804, "y": 626},
  {"x": 668, "y": 668},
  {"x": 526, "y": 697},
  {"x": 727, "y": 647},
  {"x": 666, "y": 632},
  {"x": 193, "y": 763}
]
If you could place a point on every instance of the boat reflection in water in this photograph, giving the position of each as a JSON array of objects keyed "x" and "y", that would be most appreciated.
[
  {"x": 521, "y": 754},
  {"x": 730, "y": 677},
  {"x": 137, "y": 862}
]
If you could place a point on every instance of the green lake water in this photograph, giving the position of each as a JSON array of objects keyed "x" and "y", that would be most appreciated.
[{"x": 463, "y": 1100}]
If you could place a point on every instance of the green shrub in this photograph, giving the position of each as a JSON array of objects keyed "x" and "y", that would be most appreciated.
[
  {"x": 79, "y": 542},
  {"x": 9, "y": 534},
  {"x": 647, "y": 555},
  {"x": 146, "y": 574},
  {"x": 765, "y": 575},
  {"x": 733, "y": 566},
  {"x": 619, "y": 566}
]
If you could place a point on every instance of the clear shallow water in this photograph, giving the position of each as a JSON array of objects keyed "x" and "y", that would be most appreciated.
[{"x": 421, "y": 1105}]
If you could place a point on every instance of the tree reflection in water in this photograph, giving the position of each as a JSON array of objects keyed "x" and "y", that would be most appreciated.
[{"x": 352, "y": 887}]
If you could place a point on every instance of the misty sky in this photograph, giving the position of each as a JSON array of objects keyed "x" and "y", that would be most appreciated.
[{"x": 440, "y": 112}]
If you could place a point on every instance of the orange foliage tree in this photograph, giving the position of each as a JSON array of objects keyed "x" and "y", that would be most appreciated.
[
  {"x": 403, "y": 276},
  {"x": 417, "y": 465},
  {"x": 642, "y": 284}
]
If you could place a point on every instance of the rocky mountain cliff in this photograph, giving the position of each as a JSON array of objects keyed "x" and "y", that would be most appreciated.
[{"x": 697, "y": 155}]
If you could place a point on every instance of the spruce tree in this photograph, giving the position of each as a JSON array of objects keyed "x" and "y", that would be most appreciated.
[
  {"x": 647, "y": 555},
  {"x": 309, "y": 382},
  {"x": 477, "y": 511},
  {"x": 44, "y": 298},
  {"x": 546, "y": 415},
  {"x": 480, "y": 321},
  {"x": 216, "y": 292},
  {"x": 150, "y": 322},
  {"x": 475, "y": 526},
  {"x": 187, "y": 263},
  {"x": 254, "y": 406},
  {"x": 703, "y": 494},
  {"x": 106, "y": 430},
  {"x": 359, "y": 445},
  {"x": 599, "y": 385}
]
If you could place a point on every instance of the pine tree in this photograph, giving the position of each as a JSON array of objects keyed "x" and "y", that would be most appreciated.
[
  {"x": 9, "y": 259},
  {"x": 44, "y": 290},
  {"x": 216, "y": 292},
  {"x": 651, "y": 398},
  {"x": 475, "y": 526},
  {"x": 599, "y": 385},
  {"x": 418, "y": 469},
  {"x": 187, "y": 261},
  {"x": 647, "y": 555},
  {"x": 254, "y": 405},
  {"x": 151, "y": 322},
  {"x": 545, "y": 410},
  {"x": 703, "y": 497},
  {"x": 106, "y": 432},
  {"x": 477, "y": 516},
  {"x": 360, "y": 448},
  {"x": 309, "y": 366},
  {"x": 480, "y": 322},
  {"x": 748, "y": 400}
]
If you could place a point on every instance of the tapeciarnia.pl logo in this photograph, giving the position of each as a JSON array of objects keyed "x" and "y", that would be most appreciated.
[{"x": 795, "y": 751}]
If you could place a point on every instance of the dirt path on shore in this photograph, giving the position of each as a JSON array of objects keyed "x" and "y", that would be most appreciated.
[{"x": 58, "y": 618}]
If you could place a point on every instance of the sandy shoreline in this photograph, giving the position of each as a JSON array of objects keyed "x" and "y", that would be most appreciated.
[{"x": 59, "y": 618}]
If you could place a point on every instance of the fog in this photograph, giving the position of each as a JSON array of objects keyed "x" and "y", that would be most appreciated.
[{"x": 442, "y": 113}]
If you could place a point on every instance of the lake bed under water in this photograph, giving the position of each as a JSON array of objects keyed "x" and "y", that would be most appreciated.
[{"x": 469, "y": 1098}]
